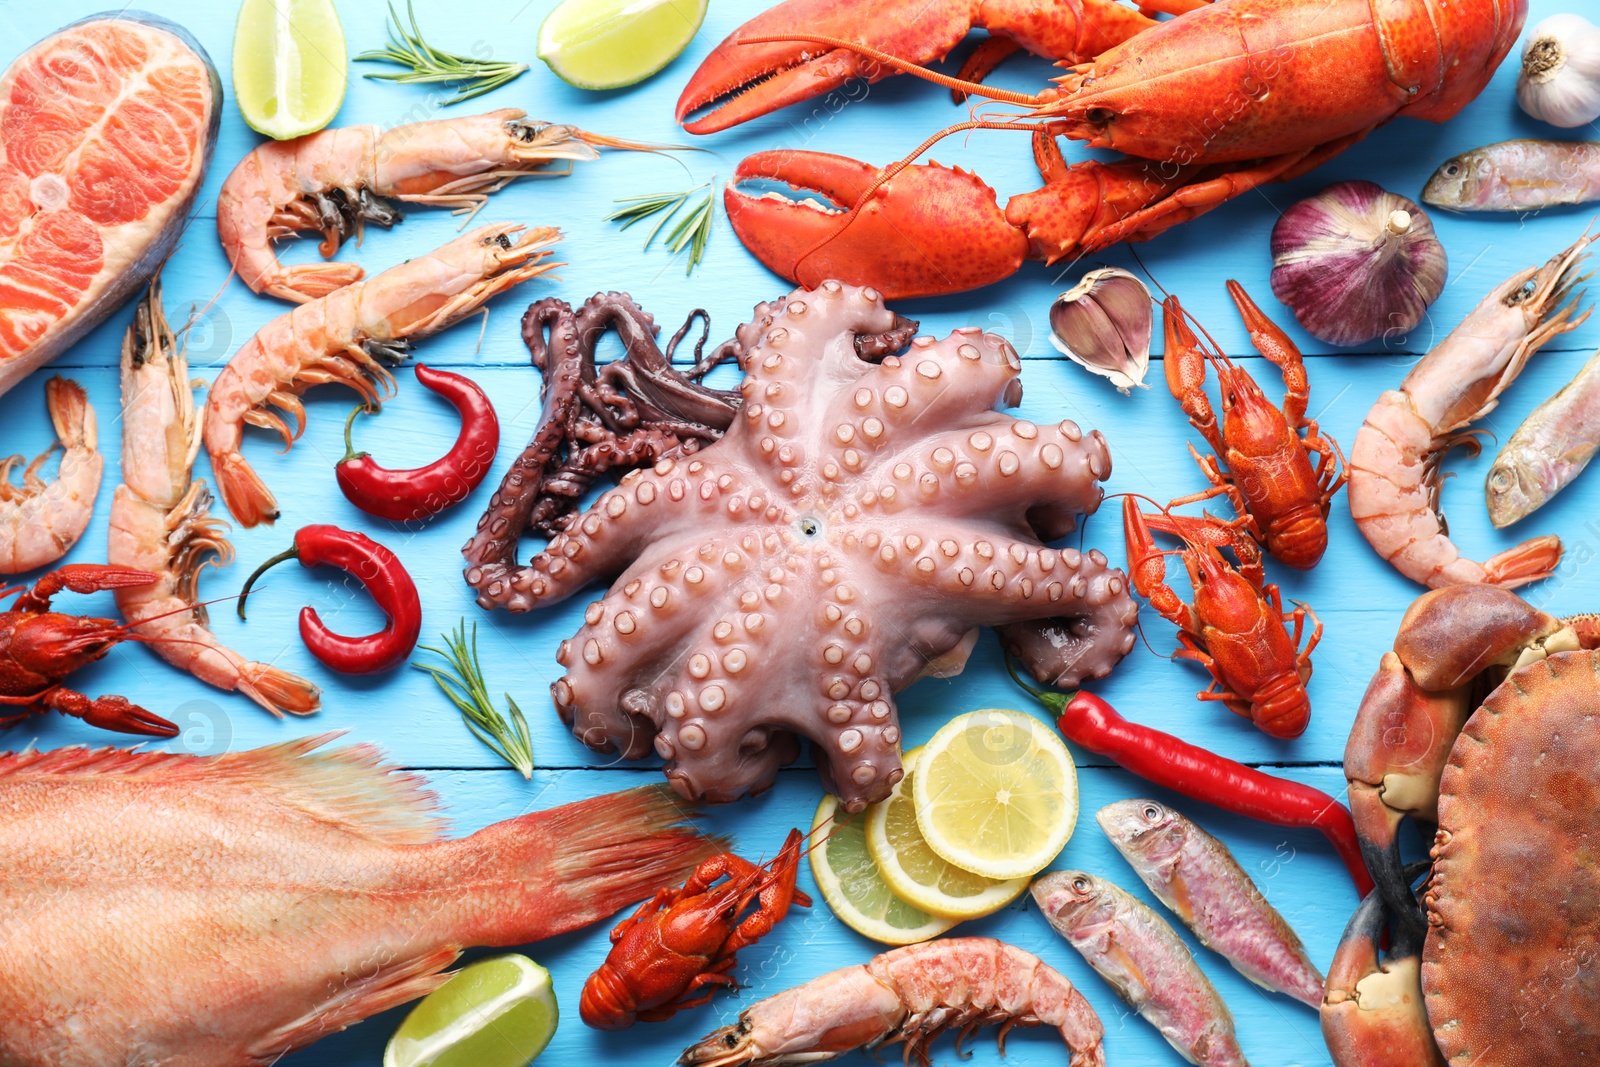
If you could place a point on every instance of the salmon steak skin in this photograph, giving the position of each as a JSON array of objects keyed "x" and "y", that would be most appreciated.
[
  {"x": 107, "y": 128},
  {"x": 171, "y": 910}
]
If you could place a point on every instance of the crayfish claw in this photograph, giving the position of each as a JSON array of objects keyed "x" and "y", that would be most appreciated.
[{"x": 109, "y": 713}]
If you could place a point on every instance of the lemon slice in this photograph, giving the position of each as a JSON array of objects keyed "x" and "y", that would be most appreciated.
[
  {"x": 996, "y": 793},
  {"x": 289, "y": 66},
  {"x": 851, "y": 885},
  {"x": 917, "y": 874},
  {"x": 498, "y": 1012},
  {"x": 606, "y": 44}
]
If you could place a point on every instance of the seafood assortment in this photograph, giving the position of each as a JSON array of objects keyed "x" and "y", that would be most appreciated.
[
  {"x": 778, "y": 555},
  {"x": 40, "y": 648},
  {"x": 1517, "y": 176},
  {"x": 281, "y": 894},
  {"x": 1396, "y": 464},
  {"x": 1549, "y": 449},
  {"x": 849, "y": 533},
  {"x": 349, "y": 337},
  {"x": 1200, "y": 882},
  {"x": 676, "y": 950},
  {"x": 161, "y": 522},
  {"x": 1292, "y": 95},
  {"x": 909, "y": 995},
  {"x": 106, "y": 132},
  {"x": 634, "y": 411},
  {"x": 1145, "y": 961},
  {"x": 40, "y": 521},
  {"x": 337, "y": 182}
]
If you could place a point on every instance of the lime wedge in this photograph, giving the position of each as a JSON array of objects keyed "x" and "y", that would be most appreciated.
[
  {"x": 289, "y": 66},
  {"x": 606, "y": 44},
  {"x": 498, "y": 1012}
]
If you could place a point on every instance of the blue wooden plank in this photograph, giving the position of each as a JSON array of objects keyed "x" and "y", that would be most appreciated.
[{"x": 1359, "y": 597}]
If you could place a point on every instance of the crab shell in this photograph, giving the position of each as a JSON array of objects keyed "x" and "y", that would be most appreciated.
[{"x": 1511, "y": 966}]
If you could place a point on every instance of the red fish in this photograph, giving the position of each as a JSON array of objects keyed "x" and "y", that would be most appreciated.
[
  {"x": 194, "y": 911},
  {"x": 106, "y": 131}
]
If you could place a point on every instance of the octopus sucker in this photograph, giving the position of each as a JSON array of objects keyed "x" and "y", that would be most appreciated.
[{"x": 866, "y": 510}]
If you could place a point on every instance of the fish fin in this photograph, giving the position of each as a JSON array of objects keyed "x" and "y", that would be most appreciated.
[
  {"x": 578, "y": 863},
  {"x": 1182, "y": 903},
  {"x": 357, "y": 999},
  {"x": 349, "y": 786}
]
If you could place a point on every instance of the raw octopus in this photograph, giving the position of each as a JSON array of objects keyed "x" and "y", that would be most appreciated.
[
  {"x": 849, "y": 534},
  {"x": 635, "y": 410}
]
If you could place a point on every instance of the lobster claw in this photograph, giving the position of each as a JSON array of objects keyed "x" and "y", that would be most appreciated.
[
  {"x": 930, "y": 228},
  {"x": 125, "y": 717},
  {"x": 1373, "y": 1014}
]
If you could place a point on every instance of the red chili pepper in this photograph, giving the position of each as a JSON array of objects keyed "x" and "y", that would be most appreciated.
[
  {"x": 381, "y": 572},
  {"x": 1199, "y": 774},
  {"x": 404, "y": 496}
]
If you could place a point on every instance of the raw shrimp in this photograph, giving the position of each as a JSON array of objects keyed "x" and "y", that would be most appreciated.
[
  {"x": 336, "y": 182},
  {"x": 39, "y": 520},
  {"x": 160, "y": 522},
  {"x": 911, "y": 994},
  {"x": 1395, "y": 464},
  {"x": 347, "y": 337}
]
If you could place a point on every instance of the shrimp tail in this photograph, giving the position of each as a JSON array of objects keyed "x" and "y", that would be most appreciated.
[
  {"x": 71, "y": 413},
  {"x": 246, "y": 495},
  {"x": 1531, "y": 561},
  {"x": 306, "y": 282},
  {"x": 279, "y": 691}
]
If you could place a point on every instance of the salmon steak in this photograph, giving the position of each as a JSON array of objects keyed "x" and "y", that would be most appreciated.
[
  {"x": 106, "y": 130},
  {"x": 185, "y": 911}
]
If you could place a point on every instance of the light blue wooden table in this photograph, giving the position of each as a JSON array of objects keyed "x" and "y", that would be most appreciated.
[{"x": 1359, "y": 598}]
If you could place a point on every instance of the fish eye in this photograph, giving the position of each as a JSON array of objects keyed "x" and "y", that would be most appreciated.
[
  {"x": 1452, "y": 169},
  {"x": 1080, "y": 884},
  {"x": 1152, "y": 812},
  {"x": 1499, "y": 479}
]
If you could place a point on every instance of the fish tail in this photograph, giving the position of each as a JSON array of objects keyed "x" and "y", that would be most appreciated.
[{"x": 578, "y": 863}]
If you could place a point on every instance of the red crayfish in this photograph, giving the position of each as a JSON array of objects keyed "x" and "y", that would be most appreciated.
[
  {"x": 39, "y": 647},
  {"x": 1235, "y": 627},
  {"x": 679, "y": 946},
  {"x": 1261, "y": 463}
]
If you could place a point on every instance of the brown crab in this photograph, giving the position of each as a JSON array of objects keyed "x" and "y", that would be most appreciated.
[{"x": 1480, "y": 720}]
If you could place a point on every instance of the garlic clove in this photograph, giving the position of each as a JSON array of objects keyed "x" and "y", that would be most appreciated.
[
  {"x": 1104, "y": 324},
  {"x": 1356, "y": 262},
  {"x": 1560, "y": 78}
]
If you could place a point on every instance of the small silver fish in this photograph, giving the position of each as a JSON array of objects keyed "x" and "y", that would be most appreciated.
[
  {"x": 1517, "y": 176},
  {"x": 1195, "y": 875},
  {"x": 1145, "y": 961},
  {"x": 1549, "y": 449}
]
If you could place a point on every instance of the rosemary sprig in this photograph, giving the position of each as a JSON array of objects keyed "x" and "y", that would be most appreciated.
[
  {"x": 463, "y": 683},
  {"x": 692, "y": 230},
  {"x": 429, "y": 64}
]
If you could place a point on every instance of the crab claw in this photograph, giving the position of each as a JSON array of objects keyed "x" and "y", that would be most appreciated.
[
  {"x": 1373, "y": 1013},
  {"x": 929, "y": 230},
  {"x": 1398, "y": 747}
]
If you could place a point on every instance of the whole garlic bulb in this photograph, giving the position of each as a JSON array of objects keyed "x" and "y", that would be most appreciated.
[
  {"x": 1560, "y": 79},
  {"x": 1355, "y": 262}
]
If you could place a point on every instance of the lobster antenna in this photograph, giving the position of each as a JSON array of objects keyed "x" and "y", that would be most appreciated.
[{"x": 905, "y": 66}]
